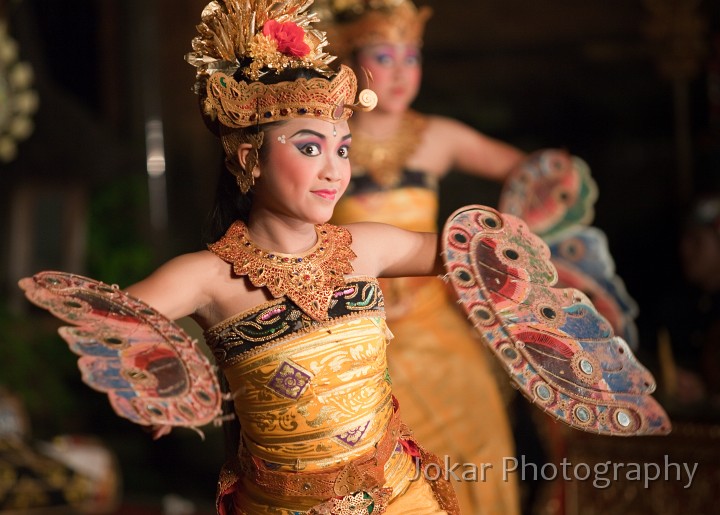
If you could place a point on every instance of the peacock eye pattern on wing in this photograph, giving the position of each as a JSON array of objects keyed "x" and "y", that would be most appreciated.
[
  {"x": 583, "y": 261},
  {"x": 551, "y": 190},
  {"x": 153, "y": 373},
  {"x": 558, "y": 350},
  {"x": 554, "y": 193}
]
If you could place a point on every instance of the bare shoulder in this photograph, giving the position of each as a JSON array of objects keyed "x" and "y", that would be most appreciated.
[
  {"x": 446, "y": 127},
  {"x": 367, "y": 237},
  {"x": 453, "y": 133},
  {"x": 183, "y": 284},
  {"x": 471, "y": 151},
  {"x": 436, "y": 152},
  {"x": 201, "y": 265},
  {"x": 387, "y": 251},
  {"x": 368, "y": 234},
  {"x": 439, "y": 145}
]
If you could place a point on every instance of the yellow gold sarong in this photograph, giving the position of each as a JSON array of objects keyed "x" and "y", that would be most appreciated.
[
  {"x": 314, "y": 397},
  {"x": 440, "y": 369}
]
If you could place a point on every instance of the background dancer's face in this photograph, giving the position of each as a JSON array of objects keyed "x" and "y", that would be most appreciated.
[{"x": 395, "y": 70}]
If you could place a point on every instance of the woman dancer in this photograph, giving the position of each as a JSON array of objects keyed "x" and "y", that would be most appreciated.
[
  {"x": 291, "y": 307},
  {"x": 290, "y": 304},
  {"x": 440, "y": 372}
]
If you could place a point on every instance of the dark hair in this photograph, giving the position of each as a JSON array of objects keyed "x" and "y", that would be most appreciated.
[{"x": 230, "y": 204}]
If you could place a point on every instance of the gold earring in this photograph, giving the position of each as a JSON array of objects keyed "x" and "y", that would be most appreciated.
[{"x": 245, "y": 178}]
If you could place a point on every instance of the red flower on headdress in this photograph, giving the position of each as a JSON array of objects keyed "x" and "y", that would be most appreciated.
[{"x": 290, "y": 38}]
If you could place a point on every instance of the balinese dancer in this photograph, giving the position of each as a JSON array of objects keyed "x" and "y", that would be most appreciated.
[
  {"x": 439, "y": 371},
  {"x": 292, "y": 309}
]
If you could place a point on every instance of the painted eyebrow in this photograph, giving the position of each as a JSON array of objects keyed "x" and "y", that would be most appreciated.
[
  {"x": 308, "y": 131},
  {"x": 381, "y": 47},
  {"x": 314, "y": 133}
]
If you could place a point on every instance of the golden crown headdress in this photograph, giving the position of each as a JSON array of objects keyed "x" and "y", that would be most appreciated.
[
  {"x": 353, "y": 24},
  {"x": 249, "y": 39}
]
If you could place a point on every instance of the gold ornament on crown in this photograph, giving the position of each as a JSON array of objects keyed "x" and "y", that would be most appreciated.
[
  {"x": 258, "y": 37},
  {"x": 238, "y": 104},
  {"x": 354, "y": 24}
]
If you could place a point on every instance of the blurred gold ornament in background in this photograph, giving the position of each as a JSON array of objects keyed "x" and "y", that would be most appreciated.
[{"x": 18, "y": 101}]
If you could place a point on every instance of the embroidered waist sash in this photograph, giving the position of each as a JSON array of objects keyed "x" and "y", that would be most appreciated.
[{"x": 362, "y": 473}]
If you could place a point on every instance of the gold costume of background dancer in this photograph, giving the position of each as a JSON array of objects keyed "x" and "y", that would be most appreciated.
[{"x": 439, "y": 367}]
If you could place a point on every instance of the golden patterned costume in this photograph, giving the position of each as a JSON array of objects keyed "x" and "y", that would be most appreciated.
[
  {"x": 440, "y": 369},
  {"x": 320, "y": 429}
]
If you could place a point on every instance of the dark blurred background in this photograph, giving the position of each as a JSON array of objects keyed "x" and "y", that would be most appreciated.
[{"x": 117, "y": 172}]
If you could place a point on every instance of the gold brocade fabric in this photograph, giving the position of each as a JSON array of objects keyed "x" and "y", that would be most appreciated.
[
  {"x": 440, "y": 370},
  {"x": 313, "y": 398},
  {"x": 237, "y": 104},
  {"x": 319, "y": 399}
]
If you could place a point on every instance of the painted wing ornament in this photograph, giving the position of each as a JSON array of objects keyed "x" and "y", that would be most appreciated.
[
  {"x": 153, "y": 373},
  {"x": 583, "y": 261},
  {"x": 559, "y": 351},
  {"x": 551, "y": 190},
  {"x": 554, "y": 193}
]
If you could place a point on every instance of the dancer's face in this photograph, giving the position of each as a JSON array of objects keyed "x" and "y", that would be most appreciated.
[
  {"x": 306, "y": 169},
  {"x": 395, "y": 71}
]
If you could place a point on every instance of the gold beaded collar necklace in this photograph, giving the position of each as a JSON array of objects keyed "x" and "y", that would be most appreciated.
[
  {"x": 384, "y": 160},
  {"x": 308, "y": 279}
]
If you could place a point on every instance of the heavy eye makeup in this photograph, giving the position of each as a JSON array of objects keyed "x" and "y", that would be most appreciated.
[
  {"x": 315, "y": 149},
  {"x": 308, "y": 142},
  {"x": 385, "y": 58},
  {"x": 413, "y": 57},
  {"x": 309, "y": 148},
  {"x": 384, "y": 55},
  {"x": 388, "y": 55},
  {"x": 312, "y": 144},
  {"x": 344, "y": 151}
]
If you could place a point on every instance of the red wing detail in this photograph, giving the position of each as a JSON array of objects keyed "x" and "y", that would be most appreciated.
[
  {"x": 153, "y": 373},
  {"x": 558, "y": 350}
]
